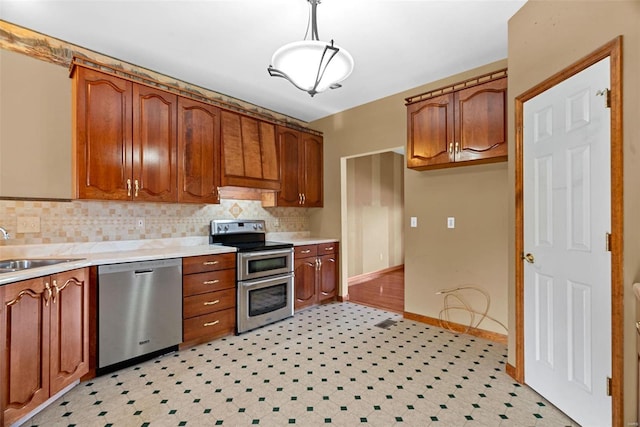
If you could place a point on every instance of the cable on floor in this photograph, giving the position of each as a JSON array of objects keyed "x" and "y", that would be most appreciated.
[{"x": 452, "y": 295}]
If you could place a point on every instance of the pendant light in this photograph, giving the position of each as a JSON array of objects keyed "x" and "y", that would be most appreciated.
[{"x": 312, "y": 65}]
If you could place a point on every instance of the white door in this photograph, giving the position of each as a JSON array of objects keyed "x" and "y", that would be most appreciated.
[{"x": 567, "y": 276}]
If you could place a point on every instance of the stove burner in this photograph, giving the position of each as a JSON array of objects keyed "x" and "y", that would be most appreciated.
[{"x": 246, "y": 236}]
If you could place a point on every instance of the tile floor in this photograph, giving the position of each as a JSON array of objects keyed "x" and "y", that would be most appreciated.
[{"x": 329, "y": 365}]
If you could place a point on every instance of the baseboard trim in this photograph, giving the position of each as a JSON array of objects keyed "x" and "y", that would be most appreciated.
[
  {"x": 457, "y": 327},
  {"x": 361, "y": 278},
  {"x": 511, "y": 371},
  {"x": 343, "y": 298}
]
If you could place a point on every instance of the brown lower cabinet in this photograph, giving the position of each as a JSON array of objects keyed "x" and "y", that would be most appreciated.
[
  {"x": 44, "y": 333},
  {"x": 316, "y": 274},
  {"x": 209, "y": 297}
]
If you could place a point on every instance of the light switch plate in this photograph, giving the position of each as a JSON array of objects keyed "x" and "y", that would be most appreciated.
[
  {"x": 451, "y": 222},
  {"x": 414, "y": 221}
]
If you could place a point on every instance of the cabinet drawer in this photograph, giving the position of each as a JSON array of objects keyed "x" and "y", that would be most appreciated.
[
  {"x": 200, "y": 283},
  {"x": 305, "y": 251},
  {"x": 327, "y": 248},
  {"x": 199, "y": 264},
  {"x": 210, "y": 325},
  {"x": 207, "y": 303}
]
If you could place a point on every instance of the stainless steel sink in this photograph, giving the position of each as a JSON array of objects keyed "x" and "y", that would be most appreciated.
[{"x": 11, "y": 265}]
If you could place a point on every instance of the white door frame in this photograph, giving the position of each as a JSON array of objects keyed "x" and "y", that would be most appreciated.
[{"x": 613, "y": 50}]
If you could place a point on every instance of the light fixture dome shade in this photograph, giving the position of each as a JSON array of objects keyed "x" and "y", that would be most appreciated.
[{"x": 301, "y": 60}]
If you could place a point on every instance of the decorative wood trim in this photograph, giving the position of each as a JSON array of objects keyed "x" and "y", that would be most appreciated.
[
  {"x": 475, "y": 81},
  {"x": 361, "y": 278},
  {"x": 240, "y": 193},
  {"x": 613, "y": 50},
  {"x": 457, "y": 327},
  {"x": 59, "y": 52}
]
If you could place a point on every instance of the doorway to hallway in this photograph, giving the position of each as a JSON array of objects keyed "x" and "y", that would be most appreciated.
[{"x": 373, "y": 212}]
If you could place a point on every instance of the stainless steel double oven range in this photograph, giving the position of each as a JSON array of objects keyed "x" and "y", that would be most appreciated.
[{"x": 264, "y": 272}]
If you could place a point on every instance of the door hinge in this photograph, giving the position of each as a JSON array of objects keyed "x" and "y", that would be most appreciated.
[
  {"x": 607, "y": 242},
  {"x": 608, "y": 386},
  {"x": 607, "y": 96}
]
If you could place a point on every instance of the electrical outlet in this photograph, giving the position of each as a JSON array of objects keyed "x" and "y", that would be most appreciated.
[
  {"x": 140, "y": 223},
  {"x": 28, "y": 224},
  {"x": 451, "y": 222},
  {"x": 414, "y": 221}
]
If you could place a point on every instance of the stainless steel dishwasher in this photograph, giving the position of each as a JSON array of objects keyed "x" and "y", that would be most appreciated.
[{"x": 139, "y": 311}]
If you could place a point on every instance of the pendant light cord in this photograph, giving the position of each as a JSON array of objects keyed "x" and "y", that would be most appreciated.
[{"x": 312, "y": 22}]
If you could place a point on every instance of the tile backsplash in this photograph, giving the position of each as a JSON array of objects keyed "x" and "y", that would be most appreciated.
[{"x": 98, "y": 221}]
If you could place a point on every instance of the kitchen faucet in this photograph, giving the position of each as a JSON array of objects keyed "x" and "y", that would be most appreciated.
[{"x": 5, "y": 234}]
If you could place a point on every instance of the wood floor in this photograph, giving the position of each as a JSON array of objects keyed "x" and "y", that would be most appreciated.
[{"x": 384, "y": 289}]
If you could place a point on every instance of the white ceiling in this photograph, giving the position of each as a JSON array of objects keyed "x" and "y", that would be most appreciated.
[{"x": 226, "y": 45}]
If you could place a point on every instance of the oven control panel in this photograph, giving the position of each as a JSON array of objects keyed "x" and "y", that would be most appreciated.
[{"x": 232, "y": 226}]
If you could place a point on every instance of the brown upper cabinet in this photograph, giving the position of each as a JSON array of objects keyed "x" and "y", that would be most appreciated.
[
  {"x": 301, "y": 169},
  {"x": 249, "y": 152},
  {"x": 125, "y": 139},
  {"x": 459, "y": 126},
  {"x": 198, "y": 152},
  {"x": 134, "y": 141}
]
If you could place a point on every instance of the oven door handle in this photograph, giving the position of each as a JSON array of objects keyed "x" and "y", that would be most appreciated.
[
  {"x": 270, "y": 279},
  {"x": 270, "y": 253}
]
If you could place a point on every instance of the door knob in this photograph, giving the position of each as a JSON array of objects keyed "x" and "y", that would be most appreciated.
[{"x": 529, "y": 258}]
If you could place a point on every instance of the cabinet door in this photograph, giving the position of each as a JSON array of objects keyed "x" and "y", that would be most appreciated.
[
  {"x": 249, "y": 152},
  {"x": 198, "y": 152},
  {"x": 103, "y": 135},
  {"x": 154, "y": 144},
  {"x": 430, "y": 133},
  {"x": 69, "y": 353},
  {"x": 305, "y": 282},
  {"x": 25, "y": 360},
  {"x": 328, "y": 277},
  {"x": 481, "y": 120},
  {"x": 290, "y": 193},
  {"x": 312, "y": 171}
]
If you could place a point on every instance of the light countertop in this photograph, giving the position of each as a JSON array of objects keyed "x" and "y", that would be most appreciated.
[{"x": 101, "y": 253}]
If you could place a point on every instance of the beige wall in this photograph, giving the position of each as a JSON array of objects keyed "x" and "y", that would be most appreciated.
[
  {"x": 375, "y": 212},
  {"x": 474, "y": 253},
  {"x": 544, "y": 38},
  {"x": 35, "y": 128}
]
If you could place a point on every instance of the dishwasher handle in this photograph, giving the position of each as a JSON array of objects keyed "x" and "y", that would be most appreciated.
[{"x": 137, "y": 272}]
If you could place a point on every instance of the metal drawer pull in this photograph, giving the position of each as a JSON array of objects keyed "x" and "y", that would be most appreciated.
[
  {"x": 212, "y": 302},
  {"x": 306, "y": 252},
  {"x": 211, "y": 323},
  {"x": 210, "y": 263},
  {"x": 210, "y": 282},
  {"x": 330, "y": 248}
]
